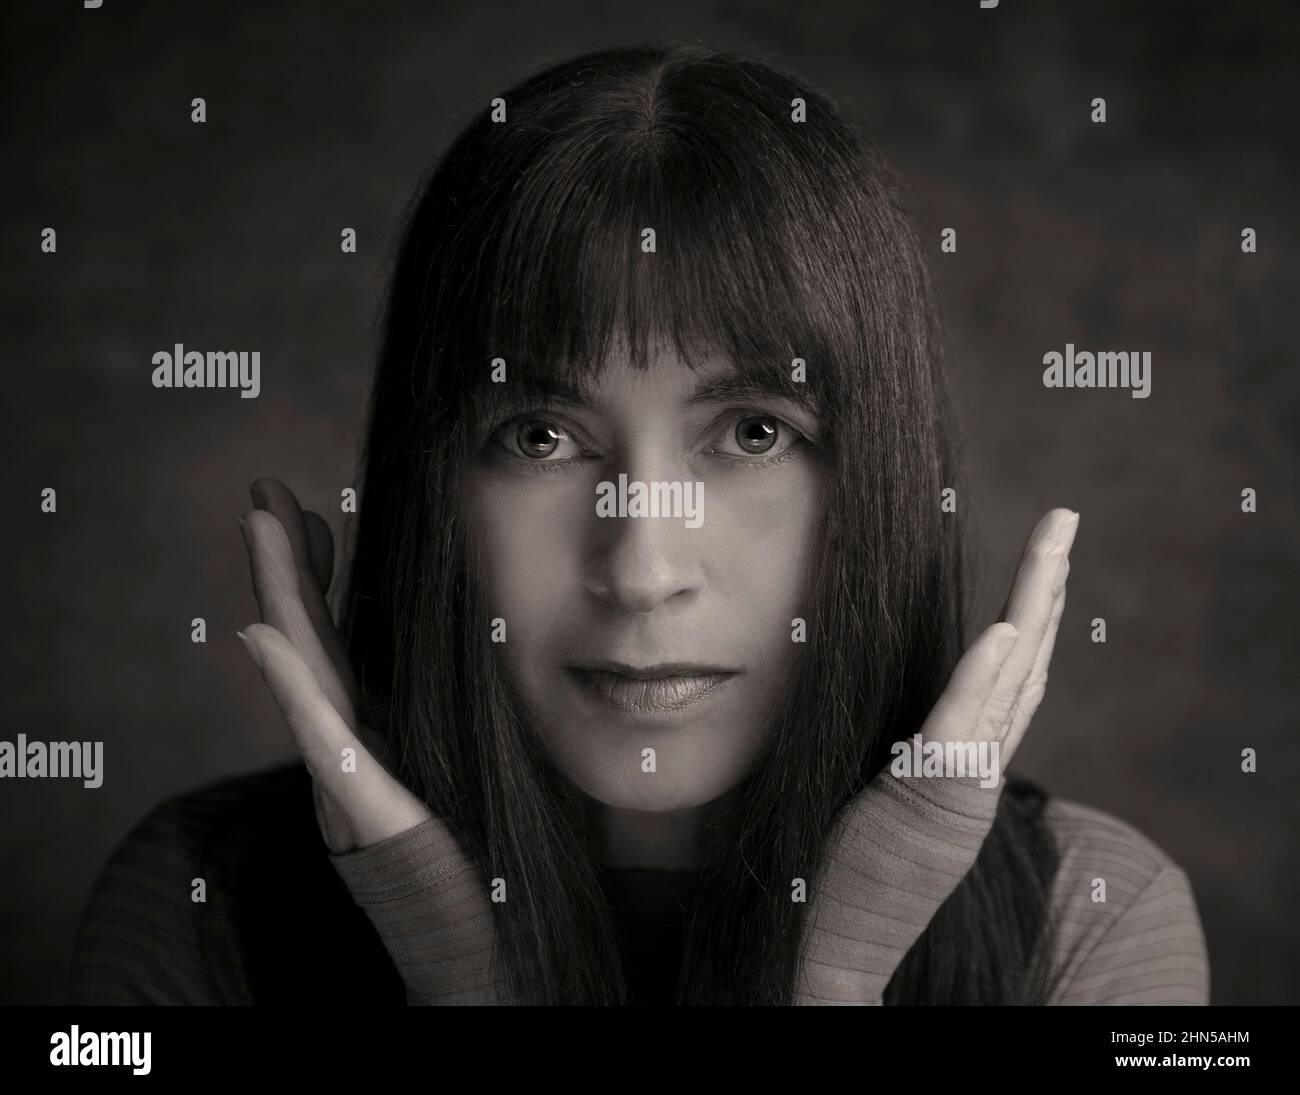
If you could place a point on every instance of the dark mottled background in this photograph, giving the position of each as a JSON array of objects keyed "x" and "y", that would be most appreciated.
[{"x": 226, "y": 235}]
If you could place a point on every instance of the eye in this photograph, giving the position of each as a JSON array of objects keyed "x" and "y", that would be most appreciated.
[
  {"x": 538, "y": 439},
  {"x": 756, "y": 435}
]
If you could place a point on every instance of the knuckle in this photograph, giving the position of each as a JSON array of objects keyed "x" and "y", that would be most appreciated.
[
  {"x": 1043, "y": 550},
  {"x": 999, "y": 709}
]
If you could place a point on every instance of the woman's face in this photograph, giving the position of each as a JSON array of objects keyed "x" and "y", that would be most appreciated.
[{"x": 652, "y": 613}]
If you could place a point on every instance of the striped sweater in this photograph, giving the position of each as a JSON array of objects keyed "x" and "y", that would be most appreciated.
[{"x": 408, "y": 920}]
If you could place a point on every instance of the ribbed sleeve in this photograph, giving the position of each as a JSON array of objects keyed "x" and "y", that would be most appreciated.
[
  {"x": 1144, "y": 943},
  {"x": 428, "y": 905},
  {"x": 899, "y": 850}
]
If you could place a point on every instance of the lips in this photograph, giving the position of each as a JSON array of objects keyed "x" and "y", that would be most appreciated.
[{"x": 651, "y": 690}]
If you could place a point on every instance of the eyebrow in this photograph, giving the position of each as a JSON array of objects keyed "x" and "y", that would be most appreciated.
[
  {"x": 721, "y": 389},
  {"x": 739, "y": 386}
]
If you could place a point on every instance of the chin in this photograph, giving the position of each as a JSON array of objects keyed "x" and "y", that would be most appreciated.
[{"x": 692, "y": 784}]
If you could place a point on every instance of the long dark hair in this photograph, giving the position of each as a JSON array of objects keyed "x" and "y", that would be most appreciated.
[{"x": 776, "y": 239}]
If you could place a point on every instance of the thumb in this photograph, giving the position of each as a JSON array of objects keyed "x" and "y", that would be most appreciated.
[{"x": 375, "y": 804}]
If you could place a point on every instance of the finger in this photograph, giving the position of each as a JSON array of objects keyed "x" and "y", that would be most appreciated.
[
  {"x": 319, "y": 732},
  {"x": 376, "y": 805},
  {"x": 1042, "y": 530},
  {"x": 1036, "y": 683},
  {"x": 1030, "y": 608},
  {"x": 320, "y": 547},
  {"x": 313, "y": 554},
  {"x": 955, "y": 716},
  {"x": 276, "y": 585}
]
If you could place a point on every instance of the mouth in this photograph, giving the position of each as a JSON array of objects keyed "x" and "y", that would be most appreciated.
[{"x": 665, "y": 689}]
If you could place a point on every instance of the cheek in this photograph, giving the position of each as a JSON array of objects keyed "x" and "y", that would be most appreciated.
[
  {"x": 528, "y": 538},
  {"x": 764, "y": 537}
]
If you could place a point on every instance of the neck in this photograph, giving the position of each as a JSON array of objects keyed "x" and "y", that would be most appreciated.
[{"x": 658, "y": 840}]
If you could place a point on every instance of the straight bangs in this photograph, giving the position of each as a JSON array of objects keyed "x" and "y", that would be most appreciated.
[{"x": 643, "y": 229}]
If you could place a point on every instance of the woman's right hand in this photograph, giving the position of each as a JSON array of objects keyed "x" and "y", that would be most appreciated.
[
  {"x": 358, "y": 801},
  {"x": 400, "y": 863}
]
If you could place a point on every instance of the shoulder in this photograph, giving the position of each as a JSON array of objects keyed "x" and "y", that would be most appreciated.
[
  {"x": 194, "y": 826},
  {"x": 1126, "y": 929},
  {"x": 202, "y": 902},
  {"x": 208, "y": 828},
  {"x": 146, "y": 934}
]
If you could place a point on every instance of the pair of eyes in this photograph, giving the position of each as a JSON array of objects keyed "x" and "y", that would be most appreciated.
[{"x": 541, "y": 439}]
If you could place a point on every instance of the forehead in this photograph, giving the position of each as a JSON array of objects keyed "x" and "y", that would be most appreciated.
[
  {"x": 666, "y": 376},
  {"x": 708, "y": 376}
]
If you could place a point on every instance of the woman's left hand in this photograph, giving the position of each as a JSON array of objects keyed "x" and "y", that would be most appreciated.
[
  {"x": 903, "y": 845},
  {"x": 993, "y": 699}
]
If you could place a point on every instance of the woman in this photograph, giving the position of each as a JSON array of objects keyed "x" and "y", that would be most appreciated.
[{"x": 657, "y": 576}]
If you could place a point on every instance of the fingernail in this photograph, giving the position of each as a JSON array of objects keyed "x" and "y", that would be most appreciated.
[
  {"x": 251, "y": 647},
  {"x": 1005, "y": 645},
  {"x": 259, "y": 497}
]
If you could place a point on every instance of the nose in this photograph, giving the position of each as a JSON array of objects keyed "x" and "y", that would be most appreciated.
[{"x": 641, "y": 563}]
